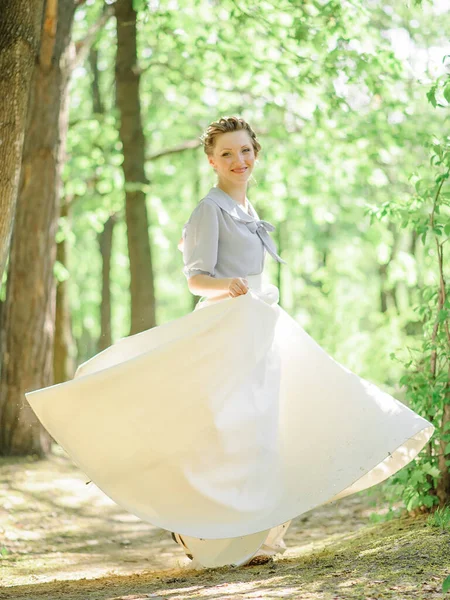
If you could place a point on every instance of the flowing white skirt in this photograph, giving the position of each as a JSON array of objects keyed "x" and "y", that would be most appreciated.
[{"x": 226, "y": 423}]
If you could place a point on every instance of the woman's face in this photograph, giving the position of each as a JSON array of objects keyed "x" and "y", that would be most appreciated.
[{"x": 233, "y": 156}]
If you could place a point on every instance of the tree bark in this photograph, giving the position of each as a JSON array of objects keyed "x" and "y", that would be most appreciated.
[
  {"x": 133, "y": 142},
  {"x": 64, "y": 345},
  {"x": 20, "y": 30},
  {"x": 29, "y": 312},
  {"x": 443, "y": 484},
  {"x": 105, "y": 241},
  {"x": 97, "y": 103}
]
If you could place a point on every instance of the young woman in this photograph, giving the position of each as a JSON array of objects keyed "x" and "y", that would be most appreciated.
[{"x": 225, "y": 424}]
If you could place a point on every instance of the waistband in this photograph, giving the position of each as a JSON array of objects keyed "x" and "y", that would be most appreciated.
[{"x": 255, "y": 281}]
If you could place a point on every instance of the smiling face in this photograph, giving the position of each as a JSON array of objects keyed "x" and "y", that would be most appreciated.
[{"x": 233, "y": 157}]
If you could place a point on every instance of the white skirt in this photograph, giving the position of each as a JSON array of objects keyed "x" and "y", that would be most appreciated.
[{"x": 226, "y": 423}]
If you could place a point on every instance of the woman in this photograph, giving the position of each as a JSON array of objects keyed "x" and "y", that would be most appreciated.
[{"x": 225, "y": 424}]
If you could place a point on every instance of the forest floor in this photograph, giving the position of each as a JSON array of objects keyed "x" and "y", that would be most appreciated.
[{"x": 63, "y": 539}]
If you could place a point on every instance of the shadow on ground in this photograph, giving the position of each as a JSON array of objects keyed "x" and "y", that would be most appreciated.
[{"x": 61, "y": 538}]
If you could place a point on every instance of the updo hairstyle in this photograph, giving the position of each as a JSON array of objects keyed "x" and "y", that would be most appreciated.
[{"x": 224, "y": 125}]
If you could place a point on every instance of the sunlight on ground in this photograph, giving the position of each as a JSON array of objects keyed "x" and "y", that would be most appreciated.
[{"x": 67, "y": 539}]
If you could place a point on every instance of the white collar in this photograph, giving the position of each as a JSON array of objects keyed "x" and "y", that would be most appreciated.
[
  {"x": 229, "y": 205},
  {"x": 233, "y": 208}
]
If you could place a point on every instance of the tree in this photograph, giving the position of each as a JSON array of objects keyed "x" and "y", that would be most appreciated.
[
  {"x": 64, "y": 346},
  {"x": 20, "y": 30},
  {"x": 105, "y": 242},
  {"x": 29, "y": 311},
  {"x": 133, "y": 141}
]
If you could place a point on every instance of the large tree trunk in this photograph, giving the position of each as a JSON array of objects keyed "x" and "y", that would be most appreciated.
[
  {"x": 29, "y": 312},
  {"x": 132, "y": 136},
  {"x": 20, "y": 30},
  {"x": 64, "y": 345},
  {"x": 105, "y": 242}
]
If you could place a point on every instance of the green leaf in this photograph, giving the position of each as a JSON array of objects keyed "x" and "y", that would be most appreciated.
[
  {"x": 447, "y": 92},
  {"x": 443, "y": 315},
  {"x": 428, "y": 501},
  {"x": 431, "y": 96},
  {"x": 446, "y": 585},
  {"x": 139, "y": 5},
  {"x": 430, "y": 470}
]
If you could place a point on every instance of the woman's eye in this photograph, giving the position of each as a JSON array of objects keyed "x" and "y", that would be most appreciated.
[{"x": 245, "y": 150}]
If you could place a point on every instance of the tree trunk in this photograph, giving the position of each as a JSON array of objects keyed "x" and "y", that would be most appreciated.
[
  {"x": 388, "y": 296},
  {"x": 133, "y": 142},
  {"x": 105, "y": 241},
  {"x": 443, "y": 484},
  {"x": 20, "y": 30},
  {"x": 29, "y": 312},
  {"x": 64, "y": 346},
  {"x": 382, "y": 272},
  {"x": 97, "y": 103}
]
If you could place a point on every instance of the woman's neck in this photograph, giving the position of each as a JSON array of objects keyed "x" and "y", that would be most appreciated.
[{"x": 238, "y": 193}]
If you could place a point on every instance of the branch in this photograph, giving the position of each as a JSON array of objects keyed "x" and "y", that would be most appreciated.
[
  {"x": 83, "y": 46},
  {"x": 188, "y": 145},
  {"x": 48, "y": 38}
]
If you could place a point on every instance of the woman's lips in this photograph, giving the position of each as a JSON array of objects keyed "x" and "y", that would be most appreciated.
[{"x": 239, "y": 170}]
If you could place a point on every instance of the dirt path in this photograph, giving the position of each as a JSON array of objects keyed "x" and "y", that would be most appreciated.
[{"x": 61, "y": 538}]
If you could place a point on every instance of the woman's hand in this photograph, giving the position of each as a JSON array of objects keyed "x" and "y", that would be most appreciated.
[{"x": 237, "y": 287}]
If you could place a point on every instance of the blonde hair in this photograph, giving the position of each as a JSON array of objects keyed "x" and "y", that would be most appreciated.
[{"x": 224, "y": 125}]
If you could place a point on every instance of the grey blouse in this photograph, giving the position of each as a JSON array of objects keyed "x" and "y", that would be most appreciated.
[{"x": 222, "y": 240}]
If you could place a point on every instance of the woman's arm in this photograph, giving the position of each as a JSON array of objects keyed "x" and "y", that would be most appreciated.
[
  {"x": 199, "y": 245},
  {"x": 217, "y": 287}
]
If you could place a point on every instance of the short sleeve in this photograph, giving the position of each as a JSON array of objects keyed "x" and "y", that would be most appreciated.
[{"x": 201, "y": 240}]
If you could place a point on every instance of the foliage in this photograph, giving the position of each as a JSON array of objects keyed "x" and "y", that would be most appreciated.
[{"x": 427, "y": 366}]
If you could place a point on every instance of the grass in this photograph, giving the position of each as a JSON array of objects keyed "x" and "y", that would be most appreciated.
[{"x": 440, "y": 518}]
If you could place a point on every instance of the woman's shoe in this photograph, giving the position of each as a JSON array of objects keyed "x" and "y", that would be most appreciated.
[
  {"x": 261, "y": 559},
  {"x": 179, "y": 540}
]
